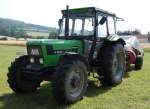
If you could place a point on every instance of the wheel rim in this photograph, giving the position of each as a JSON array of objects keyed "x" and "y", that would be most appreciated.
[
  {"x": 75, "y": 82},
  {"x": 118, "y": 65}
]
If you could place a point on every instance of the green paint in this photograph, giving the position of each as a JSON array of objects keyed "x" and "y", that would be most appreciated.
[
  {"x": 57, "y": 44},
  {"x": 79, "y": 10}
]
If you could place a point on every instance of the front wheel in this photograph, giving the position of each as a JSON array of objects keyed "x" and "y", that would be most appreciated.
[
  {"x": 71, "y": 81},
  {"x": 17, "y": 81}
]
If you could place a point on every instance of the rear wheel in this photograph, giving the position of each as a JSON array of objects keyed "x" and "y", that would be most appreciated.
[
  {"x": 17, "y": 81},
  {"x": 112, "y": 64},
  {"x": 70, "y": 83},
  {"x": 138, "y": 62}
]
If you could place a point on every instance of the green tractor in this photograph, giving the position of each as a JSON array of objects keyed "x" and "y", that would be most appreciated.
[{"x": 86, "y": 43}]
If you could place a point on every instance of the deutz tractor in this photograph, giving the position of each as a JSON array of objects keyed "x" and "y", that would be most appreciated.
[{"x": 86, "y": 43}]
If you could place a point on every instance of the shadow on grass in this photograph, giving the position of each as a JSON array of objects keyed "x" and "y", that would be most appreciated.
[
  {"x": 94, "y": 89},
  {"x": 129, "y": 70},
  {"x": 43, "y": 98}
]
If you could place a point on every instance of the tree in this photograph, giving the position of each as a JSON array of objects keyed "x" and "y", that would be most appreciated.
[
  {"x": 21, "y": 33},
  {"x": 53, "y": 35},
  {"x": 12, "y": 31},
  {"x": 136, "y": 32},
  {"x": 148, "y": 36},
  {"x": 4, "y": 31},
  {"x": 129, "y": 32}
]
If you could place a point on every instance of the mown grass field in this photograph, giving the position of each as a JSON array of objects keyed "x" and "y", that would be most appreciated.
[{"x": 133, "y": 93}]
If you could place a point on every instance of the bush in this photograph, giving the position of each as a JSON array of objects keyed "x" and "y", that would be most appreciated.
[{"x": 53, "y": 35}]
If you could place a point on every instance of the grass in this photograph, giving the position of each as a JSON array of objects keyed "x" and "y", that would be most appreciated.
[{"x": 133, "y": 93}]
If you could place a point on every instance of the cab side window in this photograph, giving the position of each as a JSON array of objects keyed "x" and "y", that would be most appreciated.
[
  {"x": 111, "y": 25},
  {"x": 102, "y": 30}
]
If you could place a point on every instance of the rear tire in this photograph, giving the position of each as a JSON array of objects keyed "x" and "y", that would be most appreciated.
[
  {"x": 16, "y": 79},
  {"x": 112, "y": 64},
  {"x": 70, "y": 82},
  {"x": 138, "y": 63}
]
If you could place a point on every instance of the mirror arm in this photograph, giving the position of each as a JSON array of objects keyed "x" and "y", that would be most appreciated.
[{"x": 107, "y": 27}]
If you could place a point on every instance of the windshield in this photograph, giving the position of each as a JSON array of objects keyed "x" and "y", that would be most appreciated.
[{"x": 78, "y": 26}]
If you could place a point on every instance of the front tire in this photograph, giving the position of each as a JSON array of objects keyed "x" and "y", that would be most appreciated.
[
  {"x": 112, "y": 64},
  {"x": 16, "y": 79},
  {"x": 70, "y": 82}
]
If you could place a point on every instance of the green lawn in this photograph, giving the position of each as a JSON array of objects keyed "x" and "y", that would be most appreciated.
[{"x": 133, "y": 93}]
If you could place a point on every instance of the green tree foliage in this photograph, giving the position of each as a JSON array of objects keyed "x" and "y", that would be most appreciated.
[
  {"x": 13, "y": 32},
  {"x": 14, "y": 28},
  {"x": 148, "y": 36},
  {"x": 4, "y": 31},
  {"x": 21, "y": 33},
  {"x": 130, "y": 32},
  {"x": 53, "y": 35}
]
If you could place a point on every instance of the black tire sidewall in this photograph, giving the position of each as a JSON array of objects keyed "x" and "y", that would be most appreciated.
[
  {"x": 138, "y": 62},
  {"x": 82, "y": 66},
  {"x": 118, "y": 78},
  {"x": 107, "y": 53},
  {"x": 61, "y": 75},
  {"x": 16, "y": 79}
]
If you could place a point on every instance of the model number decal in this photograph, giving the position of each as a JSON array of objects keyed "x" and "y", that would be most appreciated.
[{"x": 67, "y": 50}]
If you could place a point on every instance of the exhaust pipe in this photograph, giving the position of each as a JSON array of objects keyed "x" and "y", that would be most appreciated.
[{"x": 67, "y": 21}]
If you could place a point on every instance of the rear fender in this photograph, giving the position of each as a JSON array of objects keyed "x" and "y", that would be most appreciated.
[{"x": 115, "y": 38}]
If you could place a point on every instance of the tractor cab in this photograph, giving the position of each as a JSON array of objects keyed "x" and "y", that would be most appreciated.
[
  {"x": 92, "y": 25},
  {"x": 87, "y": 23}
]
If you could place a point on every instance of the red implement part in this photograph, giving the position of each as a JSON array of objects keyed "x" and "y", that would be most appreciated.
[{"x": 131, "y": 56}]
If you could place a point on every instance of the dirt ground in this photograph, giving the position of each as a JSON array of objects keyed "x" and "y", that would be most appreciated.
[
  {"x": 145, "y": 45},
  {"x": 23, "y": 43},
  {"x": 19, "y": 43}
]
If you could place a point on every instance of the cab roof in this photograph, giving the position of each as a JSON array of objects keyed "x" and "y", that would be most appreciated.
[{"x": 88, "y": 10}]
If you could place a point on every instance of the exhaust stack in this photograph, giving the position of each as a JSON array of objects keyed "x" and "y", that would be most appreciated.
[{"x": 67, "y": 21}]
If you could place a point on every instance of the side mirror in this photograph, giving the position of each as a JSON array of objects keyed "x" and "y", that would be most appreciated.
[
  {"x": 103, "y": 20},
  {"x": 60, "y": 22}
]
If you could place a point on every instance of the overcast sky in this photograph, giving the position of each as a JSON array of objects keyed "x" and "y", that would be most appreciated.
[{"x": 47, "y": 12}]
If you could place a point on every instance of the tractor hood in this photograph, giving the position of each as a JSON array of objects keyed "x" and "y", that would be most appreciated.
[
  {"x": 50, "y": 41},
  {"x": 57, "y": 44}
]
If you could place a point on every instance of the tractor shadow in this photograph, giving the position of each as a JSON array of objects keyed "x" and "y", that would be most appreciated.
[
  {"x": 95, "y": 88},
  {"x": 129, "y": 70},
  {"x": 43, "y": 98}
]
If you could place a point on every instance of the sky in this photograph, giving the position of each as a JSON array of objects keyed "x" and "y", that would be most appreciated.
[{"x": 47, "y": 12}]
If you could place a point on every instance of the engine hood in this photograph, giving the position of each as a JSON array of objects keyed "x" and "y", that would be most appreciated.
[
  {"x": 57, "y": 44},
  {"x": 49, "y": 41}
]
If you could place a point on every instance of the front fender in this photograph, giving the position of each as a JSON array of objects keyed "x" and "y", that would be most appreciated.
[{"x": 74, "y": 56}]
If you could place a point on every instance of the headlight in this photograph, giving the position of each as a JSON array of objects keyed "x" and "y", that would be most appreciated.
[
  {"x": 35, "y": 52},
  {"x": 41, "y": 60},
  {"x": 32, "y": 60}
]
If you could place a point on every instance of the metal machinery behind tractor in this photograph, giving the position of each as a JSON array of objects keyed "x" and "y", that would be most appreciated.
[
  {"x": 87, "y": 42},
  {"x": 134, "y": 53}
]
